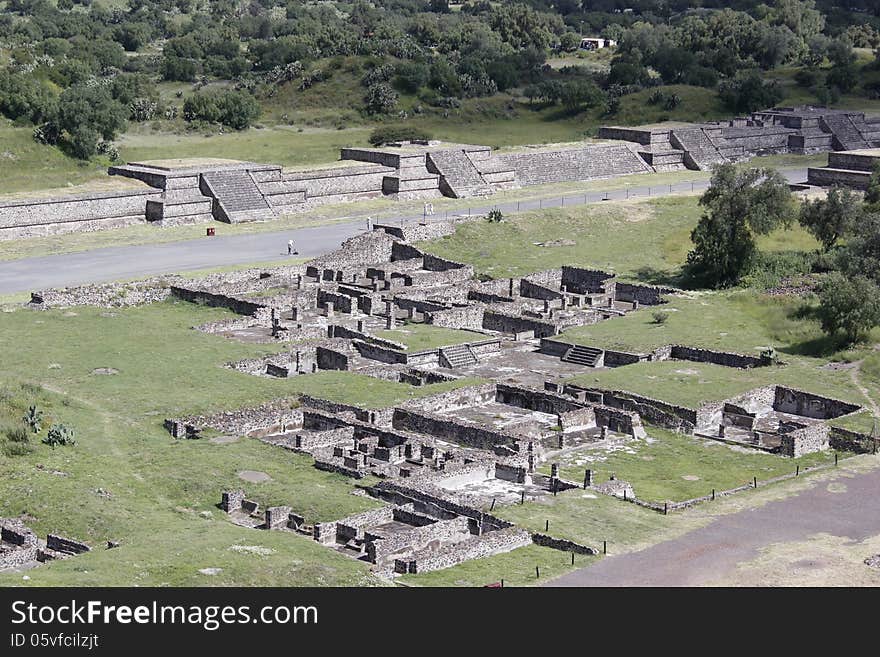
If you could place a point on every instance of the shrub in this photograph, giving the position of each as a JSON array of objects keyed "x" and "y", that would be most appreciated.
[
  {"x": 13, "y": 449},
  {"x": 660, "y": 316},
  {"x": 17, "y": 434},
  {"x": 494, "y": 216},
  {"x": 60, "y": 434},
  {"x": 388, "y": 134},
  {"x": 234, "y": 109},
  {"x": 33, "y": 418},
  {"x": 381, "y": 98}
]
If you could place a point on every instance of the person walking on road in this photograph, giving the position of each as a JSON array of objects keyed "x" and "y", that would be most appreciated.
[{"x": 290, "y": 249}]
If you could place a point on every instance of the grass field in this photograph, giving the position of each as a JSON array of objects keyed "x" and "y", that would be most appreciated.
[
  {"x": 127, "y": 480},
  {"x": 599, "y": 235},
  {"x": 421, "y": 337},
  {"x": 672, "y": 467}
]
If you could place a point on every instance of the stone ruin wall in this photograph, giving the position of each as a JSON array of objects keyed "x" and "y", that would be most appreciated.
[
  {"x": 811, "y": 438},
  {"x": 96, "y": 211},
  {"x": 475, "y": 547},
  {"x": 240, "y": 422},
  {"x": 798, "y": 402}
]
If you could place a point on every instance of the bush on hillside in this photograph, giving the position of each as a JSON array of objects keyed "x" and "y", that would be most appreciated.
[{"x": 388, "y": 134}]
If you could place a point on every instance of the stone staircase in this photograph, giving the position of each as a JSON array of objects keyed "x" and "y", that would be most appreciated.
[
  {"x": 581, "y": 355},
  {"x": 700, "y": 152},
  {"x": 847, "y": 137},
  {"x": 459, "y": 178},
  {"x": 237, "y": 197},
  {"x": 456, "y": 356}
]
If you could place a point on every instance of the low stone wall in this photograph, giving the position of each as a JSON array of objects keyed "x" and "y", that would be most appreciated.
[
  {"x": 451, "y": 429},
  {"x": 562, "y": 544},
  {"x": 243, "y": 421},
  {"x": 376, "y": 416},
  {"x": 809, "y": 439},
  {"x": 65, "y": 545},
  {"x": 851, "y": 441},
  {"x": 382, "y": 549},
  {"x": 475, "y": 547},
  {"x": 654, "y": 411},
  {"x": 457, "y": 398},
  {"x": 216, "y": 300},
  {"x": 724, "y": 358},
  {"x": 106, "y": 295},
  {"x": 32, "y": 217},
  {"x": 464, "y": 317},
  {"x": 799, "y": 402},
  {"x": 534, "y": 400},
  {"x": 646, "y": 295},
  {"x": 382, "y": 354},
  {"x": 493, "y": 320}
]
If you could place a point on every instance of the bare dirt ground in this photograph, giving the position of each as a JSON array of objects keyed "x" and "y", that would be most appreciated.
[{"x": 819, "y": 536}]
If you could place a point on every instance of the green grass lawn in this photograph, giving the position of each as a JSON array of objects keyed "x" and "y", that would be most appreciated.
[
  {"x": 515, "y": 568},
  {"x": 421, "y": 337},
  {"x": 675, "y": 467},
  {"x": 599, "y": 235},
  {"x": 126, "y": 479},
  {"x": 741, "y": 321}
]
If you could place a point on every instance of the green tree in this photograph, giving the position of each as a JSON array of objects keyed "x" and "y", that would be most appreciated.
[
  {"x": 830, "y": 218},
  {"x": 569, "y": 41},
  {"x": 872, "y": 193},
  {"x": 381, "y": 98},
  {"x": 849, "y": 306},
  {"x": 87, "y": 113},
  {"x": 860, "y": 255},
  {"x": 738, "y": 205},
  {"x": 748, "y": 92}
]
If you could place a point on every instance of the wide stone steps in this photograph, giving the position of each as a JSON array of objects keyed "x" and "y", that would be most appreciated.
[
  {"x": 581, "y": 355},
  {"x": 699, "y": 147},
  {"x": 238, "y": 194},
  {"x": 458, "y": 356},
  {"x": 846, "y": 134},
  {"x": 458, "y": 174}
]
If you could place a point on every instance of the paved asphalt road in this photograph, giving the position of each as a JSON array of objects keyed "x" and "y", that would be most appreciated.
[
  {"x": 113, "y": 263},
  {"x": 850, "y": 508}
]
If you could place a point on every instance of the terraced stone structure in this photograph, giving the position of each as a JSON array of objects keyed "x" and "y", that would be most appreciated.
[
  {"x": 182, "y": 191},
  {"x": 846, "y": 169}
]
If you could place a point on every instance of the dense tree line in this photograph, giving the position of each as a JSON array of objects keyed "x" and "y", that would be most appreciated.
[{"x": 420, "y": 47}]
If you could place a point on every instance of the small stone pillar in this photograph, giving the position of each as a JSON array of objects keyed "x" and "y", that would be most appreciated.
[
  {"x": 588, "y": 478},
  {"x": 294, "y": 314},
  {"x": 610, "y": 302},
  {"x": 564, "y": 302},
  {"x": 391, "y": 320},
  {"x": 298, "y": 361},
  {"x": 510, "y": 288},
  {"x": 635, "y": 304},
  {"x": 546, "y": 306},
  {"x": 554, "y": 471},
  {"x": 276, "y": 325},
  {"x": 721, "y": 431},
  {"x": 299, "y": 281},
  {"x": 329, "y": 309},
  {"x": 360, "y": 326},
  {"x": 604, "y": 432}
]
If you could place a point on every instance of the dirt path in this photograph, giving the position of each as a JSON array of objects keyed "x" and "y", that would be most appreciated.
[
  {"x": 857, "y": 382},
  {"x": 847, "y": 507}
]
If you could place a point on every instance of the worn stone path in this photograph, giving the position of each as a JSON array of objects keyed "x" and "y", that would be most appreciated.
[
  {"x": 848, "y": 506},
  {"x": 114, "y": 263}
]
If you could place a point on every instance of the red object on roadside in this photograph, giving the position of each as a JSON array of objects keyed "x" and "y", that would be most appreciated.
[{"x": 210, "y": 232}]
